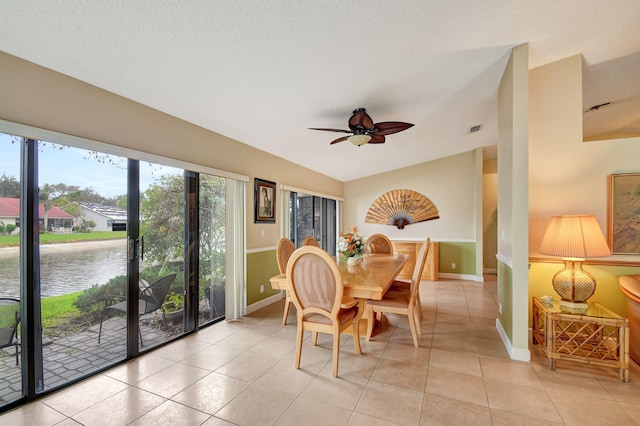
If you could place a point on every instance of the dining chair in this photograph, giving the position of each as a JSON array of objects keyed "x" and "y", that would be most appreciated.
[
  {"x": 379, "y": 243},
  {"x": 402, "y": 299},
  {"x": 284, "y": 251},
  {"x": 315, "y": 283},
  {"x": 150, "y": 299},
  {"x": 9, "y": 322},
  {"x": 310, "y": 241}
]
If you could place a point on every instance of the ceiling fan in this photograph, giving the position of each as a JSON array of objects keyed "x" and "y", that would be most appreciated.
[{"x": 365, "y": 130}]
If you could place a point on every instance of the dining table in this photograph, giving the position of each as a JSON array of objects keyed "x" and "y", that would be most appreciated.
[{"x": 369, "y": 279}]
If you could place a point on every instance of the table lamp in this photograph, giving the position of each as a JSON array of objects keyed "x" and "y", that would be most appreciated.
[{"x": 574, "y": 238}]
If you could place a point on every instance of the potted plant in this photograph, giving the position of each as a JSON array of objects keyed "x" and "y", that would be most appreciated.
[{"x": 173, "y": 306}]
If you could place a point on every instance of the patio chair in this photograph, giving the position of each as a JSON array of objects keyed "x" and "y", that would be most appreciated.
[
  {"x": 9, "y": 322},
  {"x": 150, "y": 300}
]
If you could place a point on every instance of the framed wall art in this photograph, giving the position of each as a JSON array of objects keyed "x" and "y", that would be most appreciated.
[
  {"x": 623, "y": 216},
  {"x": 264, "y": 201}
]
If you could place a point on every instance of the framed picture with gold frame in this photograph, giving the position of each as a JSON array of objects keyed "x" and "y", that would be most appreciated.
[
  {"x": 264, "y": 201},
  {"x": 623, "y": 215}
]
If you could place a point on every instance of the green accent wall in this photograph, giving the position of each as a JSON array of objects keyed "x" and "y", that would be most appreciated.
[
  {"x": 505, "y": 297},
  {"x": 462, "y": 254},
  {"x": 260, "y": 267}
]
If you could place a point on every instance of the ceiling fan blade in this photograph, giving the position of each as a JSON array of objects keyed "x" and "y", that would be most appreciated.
[
  {"x": 389, "y": 127},
  {"x": 331, "y": 130},
  {"x": 360, "y": 119},
  {"x": 344, "y": 138},
  {"x": 376, "y": 138}
]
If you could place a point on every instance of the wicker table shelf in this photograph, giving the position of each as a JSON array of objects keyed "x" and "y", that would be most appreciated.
[{"x": 594, "y": 335}]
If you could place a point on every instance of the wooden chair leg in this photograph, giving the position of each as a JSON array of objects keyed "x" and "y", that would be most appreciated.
[
  {"x": 419, "y": 303},
  {"x": 287, "y": 303},
  {"x": 412, "y": 325},
  {"x": 336, "y": 352},
  {"x": 299, "y": 335},
  {"x": 314, "y": 338}
]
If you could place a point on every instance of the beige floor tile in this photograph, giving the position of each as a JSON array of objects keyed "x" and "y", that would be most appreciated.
[
  {"x": 455, "y": 361},
  {"x": 403, "y": 336},
  {"x": 139, "y": 369},
  {"x": 171, "y": 413},
  {"x": 35, "y": 413},
  {"x": 400, "y": 373},
  {"x": 452, "y": 309},
  {"x": 211, "y": 358},
  {"x": 359, "y": 419},
  {"x": 283, "y": 376},
  {"x": 509, "y": 371},
  {"x": 526, "y": 400},
  {"x": 372, "y": 347},
  {"x": 242, "y": 340},
  {"x": 585, "y": 411},
  {"x": 215, "y": 421},
  {"x": 623, "y": 392},
  {"x": 391, "y": 403},
  {"x": 247, "y": 366},
  {"x": 211, "y": 393},
  {"x": 352, "y": 365},
  {"x": 273, "y": 347},
  {"x": 492, "y": 349},
  {"x": 343, "y": 392},
  {"x": 438, "y": 410},
  {"x": 633, "y": 410},
  {"x": 452, "y": 318},
  {"x": 83, "y": 395},
  {"x": 310, "y": 412},
  {"x": 461, "y": 387},
  {"x": 214, "y": 334},
  {"x": 256, "y": 405},
  {"x": 454, "y": 343},
  {"x": 574, "y": 384},
  {"x": 69, "y": 422},
  {"x": 409, "y": 353},
  {"x": 121, "y": 408},
  {"x": 505, "y": 418},
  {"x": 173, "y": 380},
  {"x": 181, "y": 349}
]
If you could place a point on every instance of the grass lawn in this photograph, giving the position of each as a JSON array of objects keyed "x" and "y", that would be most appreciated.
[
  {"x": 14, "y": 240},
  {"x": 59, "y": 310}
]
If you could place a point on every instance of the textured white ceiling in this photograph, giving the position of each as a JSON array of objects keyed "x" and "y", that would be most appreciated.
[{"x": 262, "y": 72}]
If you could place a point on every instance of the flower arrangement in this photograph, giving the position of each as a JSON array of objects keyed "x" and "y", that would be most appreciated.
[{"x": 352, "y": 244}]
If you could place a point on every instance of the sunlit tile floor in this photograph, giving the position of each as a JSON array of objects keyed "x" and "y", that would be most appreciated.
[{"x": 242, "y": 373}]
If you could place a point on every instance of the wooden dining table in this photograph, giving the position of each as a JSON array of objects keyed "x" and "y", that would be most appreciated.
[{"x": 369, "y": 279}]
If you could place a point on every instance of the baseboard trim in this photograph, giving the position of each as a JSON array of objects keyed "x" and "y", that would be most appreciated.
[
  {"x": 516, "y": 354},
  {"x": 264, "y": 303},
  {"x": 466, "y": 277}
]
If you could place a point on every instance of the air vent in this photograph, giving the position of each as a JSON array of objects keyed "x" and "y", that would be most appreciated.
[{"x": 475, "y": 128}]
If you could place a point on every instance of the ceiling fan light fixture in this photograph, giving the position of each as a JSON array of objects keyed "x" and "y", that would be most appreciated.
[{"x": 359, "y": 140}]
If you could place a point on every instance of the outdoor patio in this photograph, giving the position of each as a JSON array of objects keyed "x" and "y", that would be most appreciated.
[{"x": 75, "y": 356}]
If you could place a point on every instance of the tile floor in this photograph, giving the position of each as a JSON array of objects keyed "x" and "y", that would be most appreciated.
[{"x": 242, "y": 373}]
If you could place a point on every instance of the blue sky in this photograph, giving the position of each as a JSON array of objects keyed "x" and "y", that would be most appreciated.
[{"x": 74, "y": 166}]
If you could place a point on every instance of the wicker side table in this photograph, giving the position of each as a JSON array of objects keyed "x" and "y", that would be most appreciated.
[{"x": 594, "y": 335}]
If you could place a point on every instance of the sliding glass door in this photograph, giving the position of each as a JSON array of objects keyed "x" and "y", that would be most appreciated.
[
  {"x": 313, "y": 216},
  {"x": 101, "y": 258}
]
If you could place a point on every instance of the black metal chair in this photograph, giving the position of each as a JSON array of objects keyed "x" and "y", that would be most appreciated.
[
  {"x": 150, "y": 300},
  {"x": 9, "y": 322}
]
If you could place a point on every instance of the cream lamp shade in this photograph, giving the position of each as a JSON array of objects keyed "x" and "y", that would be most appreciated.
[{"x": 574, "y": 238}]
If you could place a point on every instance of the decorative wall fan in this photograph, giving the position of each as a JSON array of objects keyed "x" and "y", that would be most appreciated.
[
  {"x": 365, "y": 130},
  {"x": 401, "y": 207}
]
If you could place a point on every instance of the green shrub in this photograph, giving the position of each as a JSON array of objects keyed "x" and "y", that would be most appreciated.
[{"x": 10, "y": 228}]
